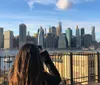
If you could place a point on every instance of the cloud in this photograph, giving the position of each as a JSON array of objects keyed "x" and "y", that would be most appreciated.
[
  {"x": 31, "y": 3},
  {"x": 45, "y": 2},
  {"x": 64, "y": 4},
  {"x": 61, "y": 4}
]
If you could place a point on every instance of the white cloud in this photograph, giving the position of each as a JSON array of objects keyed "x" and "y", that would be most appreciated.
[
  {"x": 61, "y": 4},
  {"x": 31, "y": 3},
  {"x": 64, "y": 4},
  {"x": 45, "y": 2}
]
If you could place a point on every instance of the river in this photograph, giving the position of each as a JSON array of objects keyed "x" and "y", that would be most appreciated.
[{"x": 14, "y": 52}]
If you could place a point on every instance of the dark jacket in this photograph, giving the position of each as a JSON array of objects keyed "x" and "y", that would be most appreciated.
[{"x": 53, "y": 77}]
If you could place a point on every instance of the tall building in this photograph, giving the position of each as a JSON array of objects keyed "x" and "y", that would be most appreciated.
[
  {"x": 45, "y": 32},
  {"x": 59, "y": 29},
  {"x": 30, "y": 39},
  {"x": 22, "y": 34},
  {"x": 8, "y": 39},
  {"x": 1, "y": 38},
  {"x": 87, "y": 40},
  {"x": 69, "y": 36},
  {"x": 16, "y": 42},
  {"x": 93, "y": 33},
  {"x": 62, "y": 41},
  {"x": 49, "y": 29},
  {"x": 35, "y": 38},
  {"x": 73, "y": 43},
  {"x": 41, "y": 37},
  {"x": 53, "y": 30},
  {"x": 78, "y": 37},
  {"x": 51, "y": 40},
  {"x": 82, "y": 34}
]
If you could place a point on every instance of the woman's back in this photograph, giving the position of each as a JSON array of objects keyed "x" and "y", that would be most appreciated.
[{"x": 28, "y": 68}]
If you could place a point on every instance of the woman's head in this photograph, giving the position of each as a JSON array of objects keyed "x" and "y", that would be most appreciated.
[{"x": 27, "y": 65}]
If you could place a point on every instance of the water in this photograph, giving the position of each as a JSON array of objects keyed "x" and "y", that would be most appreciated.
[
  {"x": 6, "y": 65},
  {"x": 14, "y": 52},
  {"x": 8, "y": 52}
]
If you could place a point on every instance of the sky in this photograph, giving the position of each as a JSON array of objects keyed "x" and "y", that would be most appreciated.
[{"x": 45, "y": 13}]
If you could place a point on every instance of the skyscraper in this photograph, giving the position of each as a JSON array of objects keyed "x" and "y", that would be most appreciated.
[
  {"x": 45, "y": 32},
  {"x": 8, "y": 39},
  {"x": 41, "y": 37},
  {"x": 73, "y": 43},
  {"x": 53, "y": 30},
  {"x": 78, "y": 37},
  {"x": 49, "y": 29},
  {"x": 22, "y": 34},
  {"x": 69, "y": 36},
  {"x": 1, "y": 38},
  {"x": 59, "y": 29},
  {"x": 62, "y": 41},
  {"x": 87, "y": 40},
  {"x": 93, "y": 33},
  {"x": 82, "y": 34},
  {"x": 16, "y": 42},
  {"x": 35, "y": 38},
  {"x": 51, "y": 40},
  {"x": 29, "y": 39}
]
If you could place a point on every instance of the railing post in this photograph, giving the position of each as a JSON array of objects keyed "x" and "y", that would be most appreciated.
[
  {"x": 98, "y": 64},
  {"x": 71, "y": 68}
]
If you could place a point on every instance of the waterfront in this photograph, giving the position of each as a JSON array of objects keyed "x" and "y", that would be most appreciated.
[{"x": 14, "y": 52}]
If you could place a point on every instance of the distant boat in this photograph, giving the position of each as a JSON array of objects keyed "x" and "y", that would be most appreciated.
[
  {"x": 92, "y": 48},
  {"x": 85, "y": 49}
]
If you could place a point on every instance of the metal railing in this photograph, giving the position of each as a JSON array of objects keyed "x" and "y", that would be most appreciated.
[{"x": 77, "y": 68}]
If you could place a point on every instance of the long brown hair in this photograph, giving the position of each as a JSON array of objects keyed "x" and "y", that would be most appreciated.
[{"x": 27, "y": 67}]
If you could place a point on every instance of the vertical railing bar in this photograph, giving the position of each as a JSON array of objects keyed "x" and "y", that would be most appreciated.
[
  {"x": 71, "y": 68},
  {"x": 98, "y": 67},
  {"x": 76, "y": 67},
  {"x": 4, "y": 69},
  {"x": 81, "y": 66},
  {"x": 9, "y": 61}
]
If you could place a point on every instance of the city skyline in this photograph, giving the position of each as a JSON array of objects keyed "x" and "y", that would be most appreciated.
[
  {"x": 54, "y": 29},
  {"x": 82, "y": 13}
]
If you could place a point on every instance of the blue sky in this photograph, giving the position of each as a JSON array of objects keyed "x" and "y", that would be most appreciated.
[{"x": 36, "y": 13}]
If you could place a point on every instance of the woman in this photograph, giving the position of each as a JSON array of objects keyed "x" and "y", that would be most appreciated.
[{"x": 28, "y": 68}]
